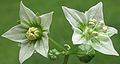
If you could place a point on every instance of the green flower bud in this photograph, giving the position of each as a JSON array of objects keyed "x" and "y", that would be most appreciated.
[
  {"x": 53, "y": 54},
  {"x": 85, "y": 53},
  {"x": 86, "y": 58}
]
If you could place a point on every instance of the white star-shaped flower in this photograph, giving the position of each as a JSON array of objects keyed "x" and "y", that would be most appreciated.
[
  {"x": 31, "y": 33},
  {"x": 89, "y": 28}
]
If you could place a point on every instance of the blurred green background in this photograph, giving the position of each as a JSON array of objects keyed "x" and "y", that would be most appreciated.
[{"x": 60, "y": 30}]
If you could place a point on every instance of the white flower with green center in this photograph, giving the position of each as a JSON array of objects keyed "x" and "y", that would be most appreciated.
[
  {"x": 89, "y": 28},
  {"x": 31, "y": 33}
]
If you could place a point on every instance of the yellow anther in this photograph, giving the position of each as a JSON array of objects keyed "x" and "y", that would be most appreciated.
[
  {"x": 95, "y": 33},
  {"x": 93, "y": 20},
  {"x": 32, "y": 33},
  {"x": 91, "y": 23},
  {"x": 105, "y": 28}
]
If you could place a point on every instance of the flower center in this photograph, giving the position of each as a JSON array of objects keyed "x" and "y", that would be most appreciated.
[
  {"x": 33, "y": 33},
  {"x": 93, "y": 28}
]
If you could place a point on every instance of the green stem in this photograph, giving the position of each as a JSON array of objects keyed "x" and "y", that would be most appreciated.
[
  {"x": 56, "y": 43},
  {"x": 66, "y": 59}
]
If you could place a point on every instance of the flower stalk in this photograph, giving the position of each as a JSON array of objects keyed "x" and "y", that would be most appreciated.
[
  {"x": 66, "y": 59},
  {"x": 56, "y": 44}
]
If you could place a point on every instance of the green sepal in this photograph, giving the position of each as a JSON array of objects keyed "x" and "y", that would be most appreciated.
[
  {"x": 86, "y": 58},
  {"x": 85, "y": 53}
]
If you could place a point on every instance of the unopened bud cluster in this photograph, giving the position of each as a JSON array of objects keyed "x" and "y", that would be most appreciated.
[{"x": 53, "y": 54}]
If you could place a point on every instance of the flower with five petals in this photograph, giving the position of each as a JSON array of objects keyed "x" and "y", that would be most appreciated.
[
  {"x": 89, "y": 28},
  {"x": 32, "y": 33}
]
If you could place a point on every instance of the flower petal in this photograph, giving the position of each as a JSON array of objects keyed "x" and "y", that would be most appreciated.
[
  {"x": 26, "y": 51},
  {"x": 104, "y": 45},
  {"x": 46, "y": 20},
  {"x": 111, "y": 31},
  {"x": 95, "y": 12},
  {"x": 73, "y": 16},
  {"x": 77, "y": 37},
  {"x": 26, "y": 15},
  {"x": 42, "y": 46},
  {"x": 16, "y": 33}
]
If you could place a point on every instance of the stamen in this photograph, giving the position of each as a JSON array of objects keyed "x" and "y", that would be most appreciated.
[{"x": 33, "y": 33}]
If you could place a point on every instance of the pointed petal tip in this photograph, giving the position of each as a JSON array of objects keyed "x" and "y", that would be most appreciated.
[
  {"x": 116, "y": 31},
  {"x": 100, "y": 3},
  {"x": 52, "y": 12},
  {"x": 21, "y": 62},
  {"x": 64, "y": 7},
  {"x": 21, "y": 3},
  {"x": 25, "y": 52},
  {"x": 116, "y": 54},
  {"x": 3, "y": 35},
  {"x": 44, "y": 55}
]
